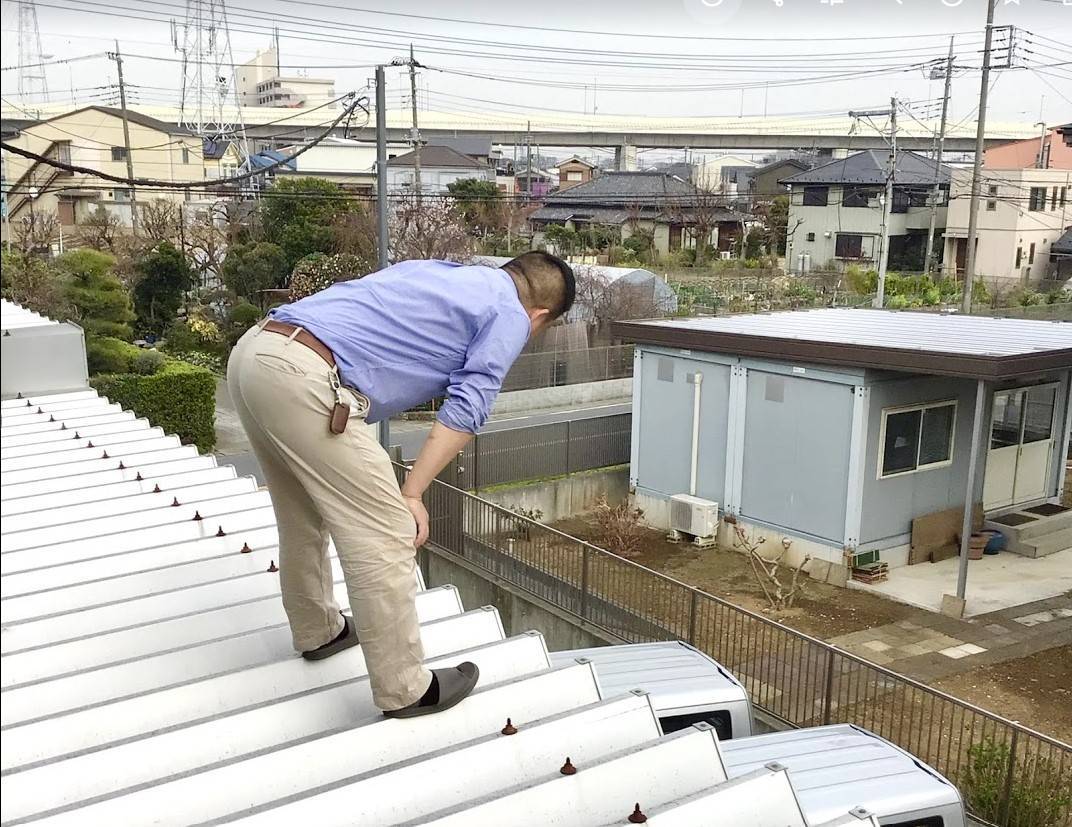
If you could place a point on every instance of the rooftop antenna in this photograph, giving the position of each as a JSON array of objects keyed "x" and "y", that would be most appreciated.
[{"x": 32, "y": 81}]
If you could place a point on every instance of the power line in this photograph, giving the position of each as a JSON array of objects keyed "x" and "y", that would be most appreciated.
[{"x": 131, "y": 181}]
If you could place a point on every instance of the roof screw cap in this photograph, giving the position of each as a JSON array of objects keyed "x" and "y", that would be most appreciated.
[
  {"x": 19, "y": 396},
  {"x": 90, "y": 445},
  {"x": 637, "y": 817},
  {"x": 51, "y": 418},
  {"x": 104, "y": 455},
  {"x": 156, "y": 489},
  {"x": 138, "y": 477},
  {"x": 121, "y": 466},
  {"x": 63, "y": 426},
  {"x": 220, "y": 532},
  {"x": 245, "y": 548},
  {"x": 40, "y": 409},
  {"x": 509, "y": 729},
  {"x": 174, "y": 501},
  {"x": 197, "y": 515},
  {"x": 568, "y": 768},
  {"x": 76, "y": 436},
  {"x": 272, "y": 567}
]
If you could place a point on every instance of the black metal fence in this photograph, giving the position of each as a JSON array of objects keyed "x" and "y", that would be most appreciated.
[
  {"x": 499, "y": 457},
  {"x": 1010, "y": 775},
  {"x": 569, "y": 367}
]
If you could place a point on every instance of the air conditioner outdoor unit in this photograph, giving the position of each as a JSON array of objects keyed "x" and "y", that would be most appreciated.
[{"x": 693, "y": 516}]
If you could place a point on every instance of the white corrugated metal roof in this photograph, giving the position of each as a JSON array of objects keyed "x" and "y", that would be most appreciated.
[
  {"x": 931, "y": 332},
  {"x": 15, "y": 315},
  {"x": 148, "y": 675}
]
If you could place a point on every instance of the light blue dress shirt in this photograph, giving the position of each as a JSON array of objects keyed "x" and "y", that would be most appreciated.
[{"x": 417, "y": 330}]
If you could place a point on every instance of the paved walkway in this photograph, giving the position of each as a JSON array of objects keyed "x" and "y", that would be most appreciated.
[{"x": 930, "y": 646}]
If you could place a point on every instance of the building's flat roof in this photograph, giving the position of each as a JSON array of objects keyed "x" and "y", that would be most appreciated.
[{"x": 977, "y": 347}]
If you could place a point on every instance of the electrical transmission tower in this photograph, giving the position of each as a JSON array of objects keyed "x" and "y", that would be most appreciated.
[
  {"x": 207, "y": 69},
  {"x": 32, "y": 82}
]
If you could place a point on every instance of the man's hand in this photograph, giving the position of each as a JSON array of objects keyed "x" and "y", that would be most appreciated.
[{"x": 420, "y": 516}]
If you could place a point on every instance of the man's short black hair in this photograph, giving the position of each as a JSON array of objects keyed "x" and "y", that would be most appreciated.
[{"x": 548, "y": 281}]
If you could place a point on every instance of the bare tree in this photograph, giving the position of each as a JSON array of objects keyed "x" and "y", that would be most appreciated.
[
  {"x": 701, "y": 212},
  {"x": 429, "y": 229},
  {"x": 206, "y": 240},
  {"x": 36, "y": 231},
  {"x": 98, "y": 230},
  {"x": 768, "y": 571},
  {"x": 601, "y": 300},
  {"x": 355, "y": 237},
  {"x": 160, "y": 220}
]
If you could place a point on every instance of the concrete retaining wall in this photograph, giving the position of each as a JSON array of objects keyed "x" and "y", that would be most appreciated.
[
  {"x": 581, "y": 395},
  {"x": 563, "y": 497}
]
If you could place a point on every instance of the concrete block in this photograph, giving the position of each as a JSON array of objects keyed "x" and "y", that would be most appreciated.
[{"x": 952, "y": 606}]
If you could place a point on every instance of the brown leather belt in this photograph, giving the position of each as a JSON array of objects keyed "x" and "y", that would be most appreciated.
[{"x": 304, "y": 336}]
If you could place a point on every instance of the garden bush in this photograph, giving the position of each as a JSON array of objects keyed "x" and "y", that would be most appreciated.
[
  {"x": 105, "y": 354},
  {"x": 1039, "y": 794},
  {"x": 179, "y": 397},
  {"x": 149, "y": 362}
]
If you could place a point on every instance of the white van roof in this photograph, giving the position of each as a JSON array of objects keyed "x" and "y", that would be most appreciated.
[
  {"x": 674, "y": 674},
  {"x": 836, "y": 768}
]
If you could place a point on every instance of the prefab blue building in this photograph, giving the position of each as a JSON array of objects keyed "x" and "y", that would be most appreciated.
[{"x": 836, "y": 429}]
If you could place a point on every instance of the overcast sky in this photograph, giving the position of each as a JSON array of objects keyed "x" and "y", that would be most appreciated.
[{"x": 719, "y": 45}]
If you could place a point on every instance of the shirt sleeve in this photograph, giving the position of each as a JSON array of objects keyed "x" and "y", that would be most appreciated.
[{"x": 473, "y": 387}]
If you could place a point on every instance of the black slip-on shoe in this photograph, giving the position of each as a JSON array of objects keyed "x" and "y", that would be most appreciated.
[
  {"x": 454, "y": 685},
  {"x": 346, "y": 639}
]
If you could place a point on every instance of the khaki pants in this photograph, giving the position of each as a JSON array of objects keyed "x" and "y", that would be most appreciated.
[{"x": 339, "y": 486}]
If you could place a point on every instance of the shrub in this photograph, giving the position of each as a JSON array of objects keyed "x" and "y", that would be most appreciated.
[
  {"x": 208, "y": 361},
  {"x": 244, "y": 315},
  {"x": 619, "y": 527},
  {"x": 180, "y": 338},
  {"x": 1039, "y": 795},
  {"x": 105, "y": 354},
  {"x": 180, "y": 398},
  {"x": 149, "y": 362},
  {"x": 319, "y": 271}
]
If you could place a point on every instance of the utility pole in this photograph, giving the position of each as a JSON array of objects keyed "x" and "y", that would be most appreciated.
[
  {"x": 887, "y": 201},
  {"x": 416, "y": 135},
  {"x": 118, "y": 58},
  {"x": 528, "y": 162},
  {"x": 977, "y": 168},
  {"x": 937, "y": 189},
  {"x": 381, "y": 170},
  {"x": 383, "y": 239}
]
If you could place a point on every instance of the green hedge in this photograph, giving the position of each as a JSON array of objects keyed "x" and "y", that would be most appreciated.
[
  {"x": 105, "y": 354},
  {"x": 180, "y": 398}
]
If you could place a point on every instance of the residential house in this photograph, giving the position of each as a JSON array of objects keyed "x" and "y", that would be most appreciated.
[
  {"x": 440, "y": 166},
  {"x": 1049, "y": 148},
  {"x": 1061, "y": 257},
  {"x": 723, "y": 173},
  {"x": 261, "y": 82},
  {"x": 473, "y": 146},
  {"x": 350, "y": 164},
  {"x": 1021, "y": 214},
  {"x": 767, "y": 180},
  {"x": 835, "y": 211},
  {"x": 92, "y": 136},
  {"x": 830, "y": 432},
  {"x": 574, "y": 171},
  {"x": 535, "y": 181},
  {"x": 655, "y": 202}
]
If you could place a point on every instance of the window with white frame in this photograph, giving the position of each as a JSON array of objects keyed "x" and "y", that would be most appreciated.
[{"x": 917, "y": 438}]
